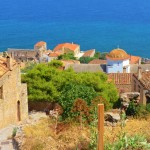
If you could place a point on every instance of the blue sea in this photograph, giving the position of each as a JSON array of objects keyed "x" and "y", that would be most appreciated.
[{"x": 99, "y": 24}]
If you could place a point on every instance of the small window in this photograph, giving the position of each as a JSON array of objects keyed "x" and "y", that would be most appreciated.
[{"x": 1, "y": 92}]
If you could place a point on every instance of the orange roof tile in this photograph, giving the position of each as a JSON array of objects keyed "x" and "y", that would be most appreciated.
[
  {"x": 88, "y": 53},
  {"x": 53, "y": 55},
  {"x": 65, "y": 62},
  {"x": 145, "y": 79},
  {"x": 117, "y": 54},
  {"x": 98, "y": 61},
  {"x": 66, "y": 45},
  {"x": 3, "y": 65},
  {"x": 39, "y": 44},
  {"x": 134, "y": 59},
  {"x": 120, "y": 78}
]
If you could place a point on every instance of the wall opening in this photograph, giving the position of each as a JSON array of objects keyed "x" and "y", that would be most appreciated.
[{"x": 18, "y": 111}]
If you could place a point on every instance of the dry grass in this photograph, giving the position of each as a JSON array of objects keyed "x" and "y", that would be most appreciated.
[
  {"x": 133, "y": 126},
  {"x": 43, "y": 137}
]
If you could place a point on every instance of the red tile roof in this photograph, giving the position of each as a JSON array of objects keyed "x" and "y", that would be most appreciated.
[
  {"x": 145, "y": 79},
  {"x": 65, "y": 62},
  {"x": 66, "y": 45},
  {"x": 134, "y": 59},
  {"x": 89, "y": 53},
  {"x": 53, "y": 55},
  {"x": 120, "y": 78},
  {"x": 3, "y": 65},
  {"x": 39, "y": 44},
  {"x": 98, "y": 61}
]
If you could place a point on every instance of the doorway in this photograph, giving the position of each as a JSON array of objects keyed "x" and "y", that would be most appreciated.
[{"x": 18, "y": 111}]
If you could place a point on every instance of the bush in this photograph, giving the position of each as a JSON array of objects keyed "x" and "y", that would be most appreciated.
[
  {"x": 148, "y": 107},
  {"x": 135, "y": 142},
  {"x": 14, "y": 132},
  {"x": 138, "y": 110}
]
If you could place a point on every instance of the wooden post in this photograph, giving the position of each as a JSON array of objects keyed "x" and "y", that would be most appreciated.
[{"x": 100, "y": 126}]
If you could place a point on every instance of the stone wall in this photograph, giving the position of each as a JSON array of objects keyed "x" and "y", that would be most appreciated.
[
  {"x": 138, "y": 87},
  {"x": 11, "y": 86}
]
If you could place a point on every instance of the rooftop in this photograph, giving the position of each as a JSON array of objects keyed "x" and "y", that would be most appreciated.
[
  {"x": 70, "y": 46},
  {"x": 85, "y": 67},
  {"x": 120, "y": 78},
  {"x": 117, "y": 54},
  {"x": 98, "y": 61},
  {"x": 3, "y": 65},
  {"x": 89, "y": 53},
  {"x": 145, "y": 79},
  {"x": 134, "y": 59},
  {"x": 39, "y": 44},
  {"x": 53, "y": 55}
]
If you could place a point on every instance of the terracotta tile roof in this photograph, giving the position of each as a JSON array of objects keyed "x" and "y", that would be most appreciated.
[
  {"x": 117, "y": 54},
  {"x": 98, "y": 61},
  {"x": 120, "y": 78},
  {"x": 53, "y": 55},
  {"x": 134, "y": 59},
  {"x": 145, "y": 79},
  {"x": 89, "y": 53},
  {"x": 65, "y": 62},
  {"x": 3, "y": 65},
  {"x": 39, "y": 44},
  {"x": 66, "y": 45}
]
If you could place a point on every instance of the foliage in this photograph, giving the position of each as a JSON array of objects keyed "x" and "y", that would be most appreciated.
[
  {"x": 29, "y": 66},
  {"x": 67, "y": 56},
  {"x": 148, "y": 108},
  {"x": 137, "y": 110},
  {"x": 103, "y": 55},
  {"x": 74, "y": 91},
  {"x": 135, "y": 142},
  {"x": 46, "y": 82},
  {"x": 14, "y": 132},
  {"x": 55, "y": 63},
  {"x": 86, "y": 60},
  {"x": 97, "y": 55},
  {"x": 80, "y": 110}
]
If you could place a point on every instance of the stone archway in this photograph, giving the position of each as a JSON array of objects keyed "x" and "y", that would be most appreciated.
[{"x": 18, "y": 111}]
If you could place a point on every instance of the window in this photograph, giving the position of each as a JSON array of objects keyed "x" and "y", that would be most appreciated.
[{"x": 1, "y": 92}]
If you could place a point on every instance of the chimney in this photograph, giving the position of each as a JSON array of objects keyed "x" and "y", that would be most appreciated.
[
  {"x": 9, "y": 62},
  {"x": 124, "y": 69},
  {"x": 139, "y": 72},
  {"x": 139, "y": 61}
]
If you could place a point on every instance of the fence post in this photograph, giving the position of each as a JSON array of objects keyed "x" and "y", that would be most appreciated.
[{"x": 100, "y": 126}]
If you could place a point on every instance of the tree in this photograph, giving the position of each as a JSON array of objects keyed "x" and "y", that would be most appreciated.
[
  {"x": 86, "y": 60},
  {"x": 71, "y": 92},
  {"x": 55, "y": 63},
  {"x": 67, "y": 56}
]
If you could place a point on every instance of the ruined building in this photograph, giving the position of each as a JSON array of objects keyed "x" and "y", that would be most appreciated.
[
  {"x": 13, "y": 94},
  {"x": 25, "y": 55}
]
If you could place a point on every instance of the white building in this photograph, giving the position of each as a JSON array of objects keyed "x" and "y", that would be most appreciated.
[{"x": 118, "y": 61}]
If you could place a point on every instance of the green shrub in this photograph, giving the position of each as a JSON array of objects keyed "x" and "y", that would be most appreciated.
[
  {"x": 148, "y": 107},
  {"x": 136, "y": 142},
  {"x": 138, "y": 110},
  {"x": 14, "y": 132}
]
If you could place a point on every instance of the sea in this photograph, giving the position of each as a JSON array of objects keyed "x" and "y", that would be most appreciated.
[{"x": 93, "y": 24}]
